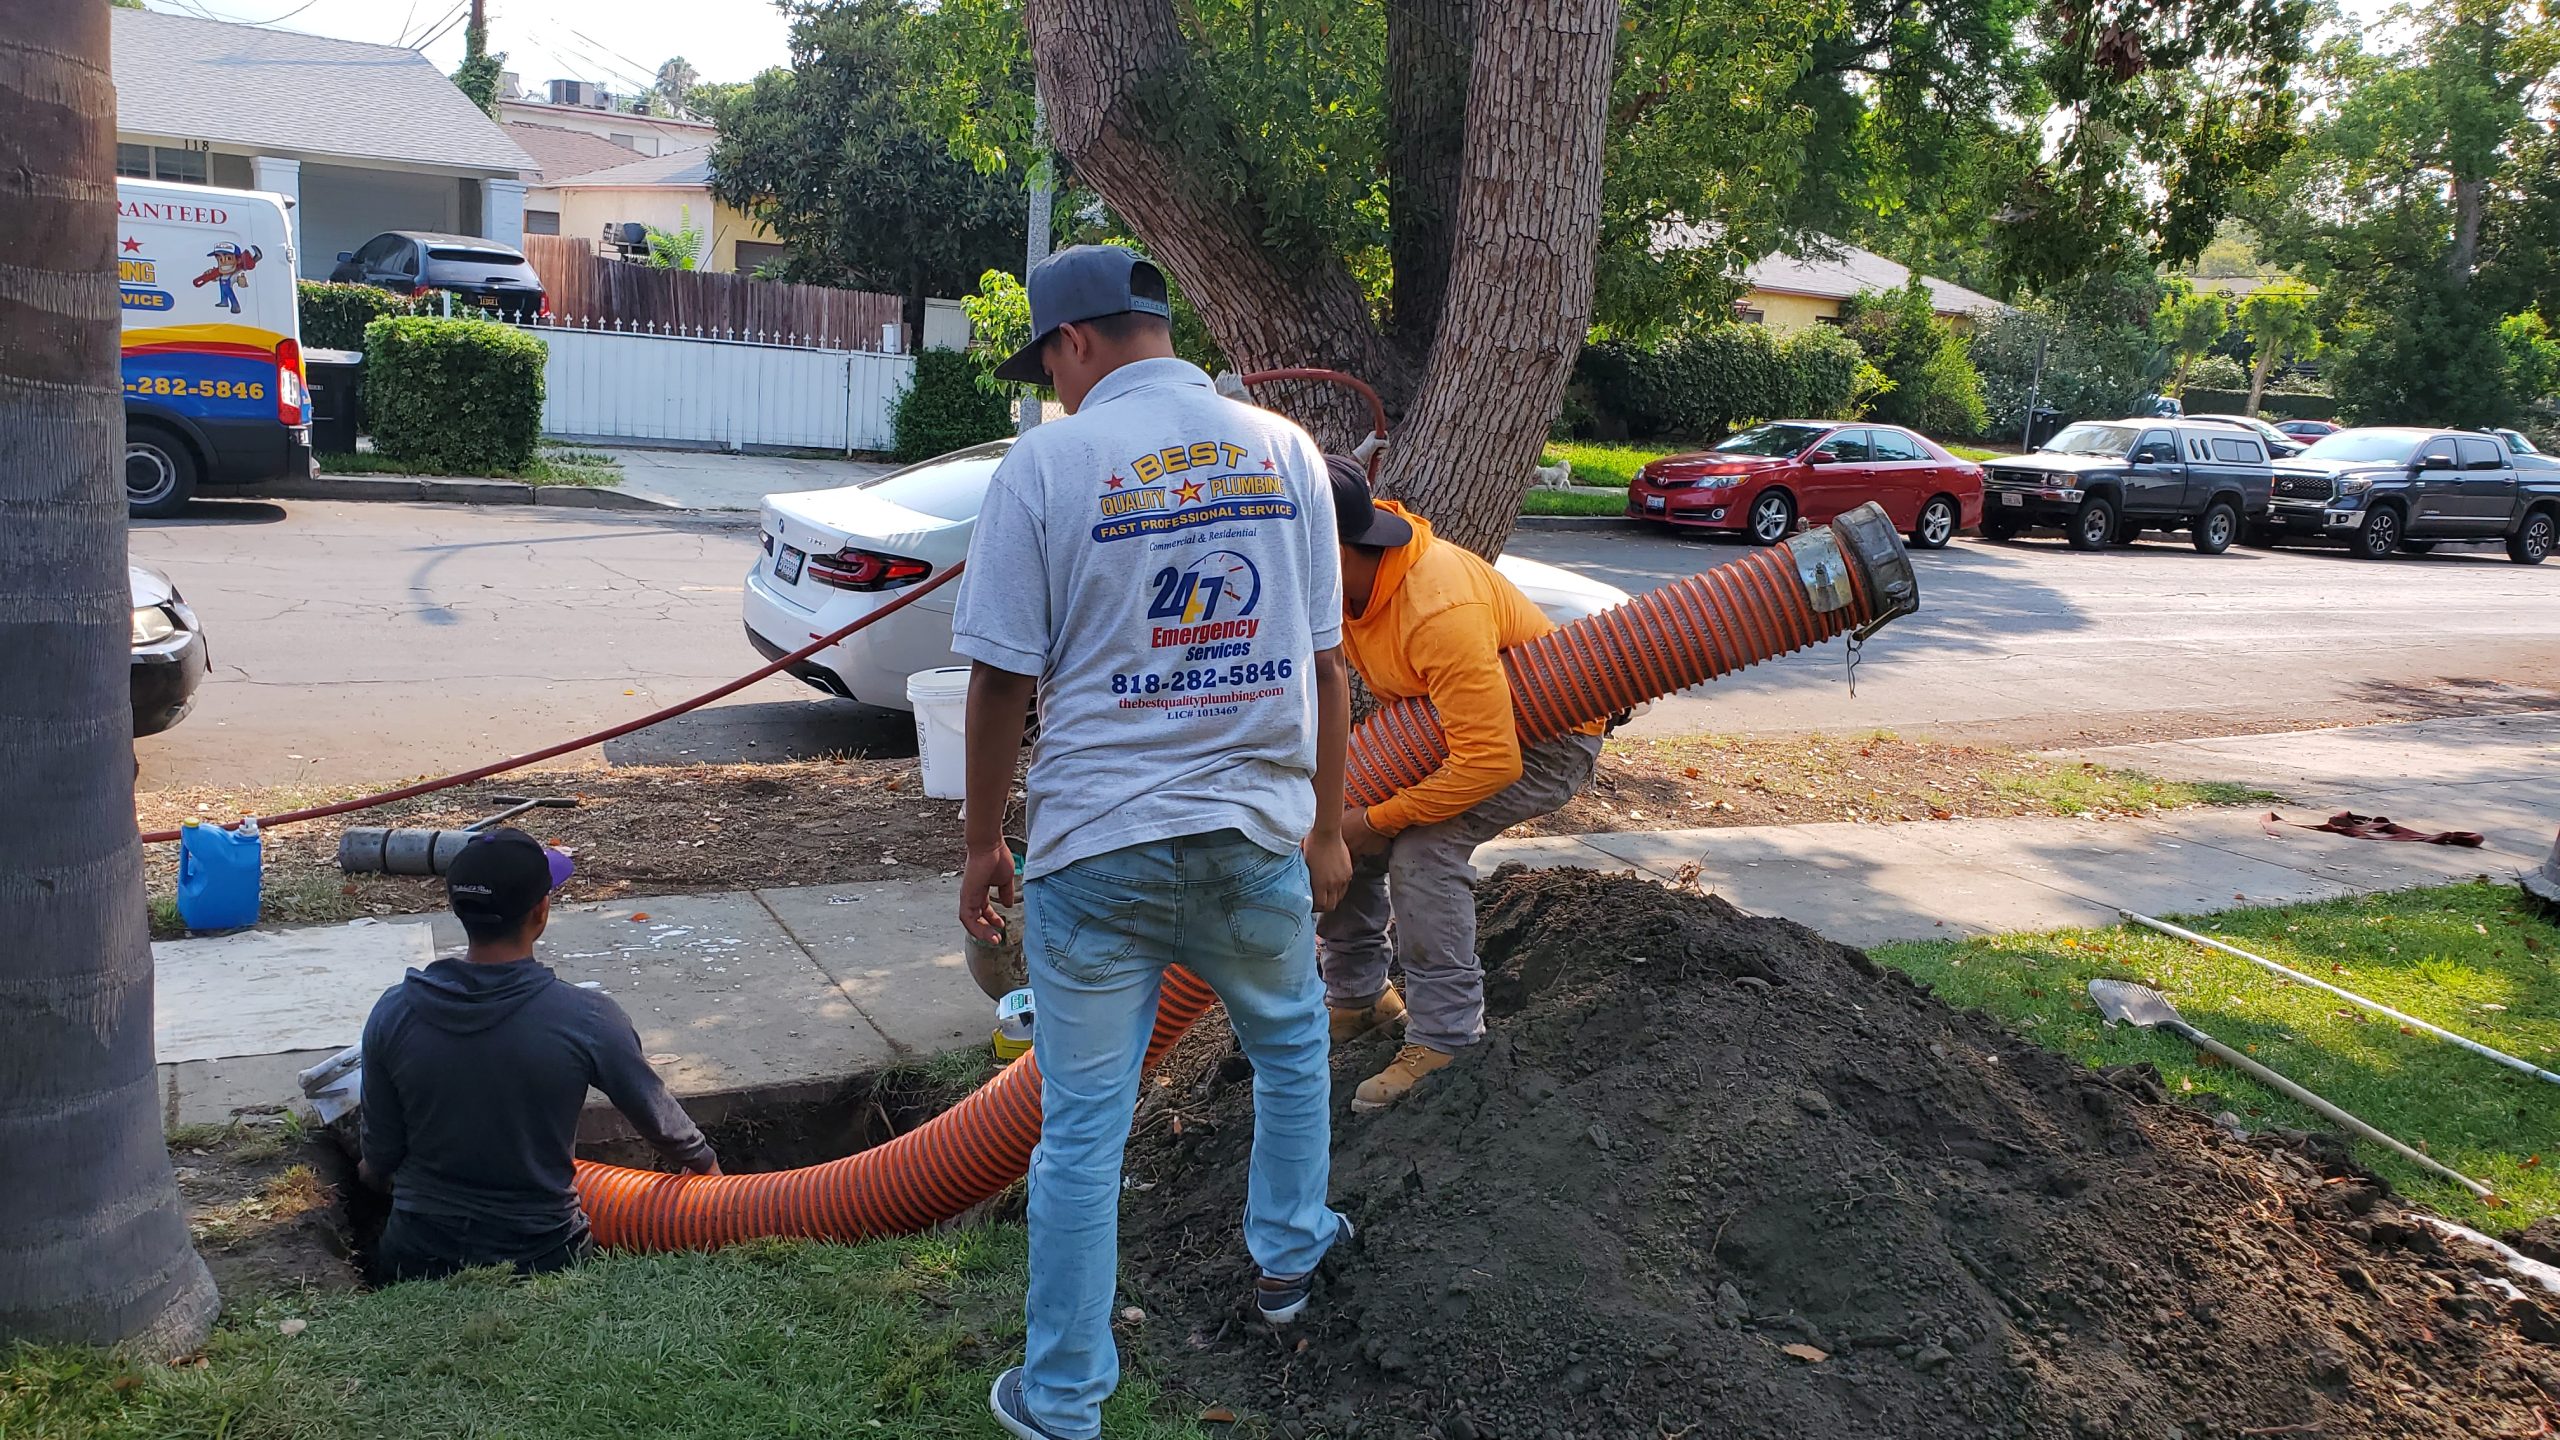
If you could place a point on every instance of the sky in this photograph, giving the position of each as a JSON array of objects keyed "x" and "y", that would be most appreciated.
[{"x": 619, "y": 43}]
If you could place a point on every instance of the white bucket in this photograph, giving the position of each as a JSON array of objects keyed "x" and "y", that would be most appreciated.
[{"x": 941, "y": 701}]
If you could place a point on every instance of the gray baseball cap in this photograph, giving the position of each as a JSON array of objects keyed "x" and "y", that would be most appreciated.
[{"x": 1081, "y": 282}]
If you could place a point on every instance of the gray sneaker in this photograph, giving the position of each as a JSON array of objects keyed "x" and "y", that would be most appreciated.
[{"x": 1013, "y": 1412}]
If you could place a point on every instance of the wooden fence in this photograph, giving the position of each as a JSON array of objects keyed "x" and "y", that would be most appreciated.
[{"x": 584, "y": 288}]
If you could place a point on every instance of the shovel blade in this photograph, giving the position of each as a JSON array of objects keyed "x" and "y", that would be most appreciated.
[{"x": 2124, "y": 1001}]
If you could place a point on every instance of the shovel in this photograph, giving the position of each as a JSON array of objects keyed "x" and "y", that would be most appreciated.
[{"x": 2121, "y": 1000}]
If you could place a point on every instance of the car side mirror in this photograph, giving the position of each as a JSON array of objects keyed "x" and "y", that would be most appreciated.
[
  {"x": 2435, "y": 462},
  {"x": 1816, "y": 457},
  {"x": 345, "y": 255}
]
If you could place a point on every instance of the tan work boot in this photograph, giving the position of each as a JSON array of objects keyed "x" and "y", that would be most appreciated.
[
  {"x": 1396, "y": 1081},
  {"x": 1351, "y": 1024}
]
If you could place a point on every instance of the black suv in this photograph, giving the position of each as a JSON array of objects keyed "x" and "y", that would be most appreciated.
[
  {"x": 2393, "y": 490},
  {"x": 2105, "y": 482},
  {"x": 482, "y": 274}
]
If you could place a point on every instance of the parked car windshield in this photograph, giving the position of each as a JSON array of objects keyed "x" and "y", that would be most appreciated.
[
  {"x": 2363, "y": 445},
  {"x": 2093, "y": 440},
  {"x": 947, "y": 487},
  {"x": 1771, "y": 440}
]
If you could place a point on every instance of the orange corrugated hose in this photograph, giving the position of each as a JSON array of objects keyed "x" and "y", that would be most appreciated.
[{"x": 1766, "y": 605}]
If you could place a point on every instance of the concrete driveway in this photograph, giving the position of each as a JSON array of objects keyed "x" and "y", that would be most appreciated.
[
  {"x": 718, "y": 480},
  {"x": 354, "y": 643}
]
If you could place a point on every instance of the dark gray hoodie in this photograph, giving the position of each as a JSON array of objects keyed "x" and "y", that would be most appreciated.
[{"x": 473, "y": 1079}]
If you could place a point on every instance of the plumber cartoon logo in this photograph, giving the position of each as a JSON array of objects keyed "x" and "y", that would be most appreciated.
[{"x": 231, "y": 267}]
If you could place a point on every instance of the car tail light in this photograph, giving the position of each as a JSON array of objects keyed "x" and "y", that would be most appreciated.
[
  {"x": 866, "y": 570},
  {"x": 768, "y": 542},
  {"x": 289, "y": 382}
]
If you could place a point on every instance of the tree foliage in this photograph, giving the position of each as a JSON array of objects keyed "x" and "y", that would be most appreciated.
[
  {"x": 682, "y": 248},
  {"x": 1931, "y": 384},
  {"x": 674, "y": 84},
  {"x": 828, "y": 154},
  {"x": 2189, "y": 325},
  {"x": 481, "y": 72},
  {"x": 2277, "y": 321}
]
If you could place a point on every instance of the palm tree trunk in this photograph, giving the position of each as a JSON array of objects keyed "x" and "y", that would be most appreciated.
[{"x": 93, "y": 1244}]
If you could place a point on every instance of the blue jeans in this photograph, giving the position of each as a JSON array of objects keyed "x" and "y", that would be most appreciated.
[{"x": 1097, "y": 936}]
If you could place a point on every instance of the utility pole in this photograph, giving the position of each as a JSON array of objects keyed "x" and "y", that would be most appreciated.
[
  {"x": 2027, "y": 432},
  {"x": 1035, "y": 245}
]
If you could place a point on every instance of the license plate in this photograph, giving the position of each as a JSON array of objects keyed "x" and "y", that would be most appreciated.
[
  {"x": 1654, "y": 502},
  {"x": 787, "y": 563},
  {"x": 2013, "y": 499}
]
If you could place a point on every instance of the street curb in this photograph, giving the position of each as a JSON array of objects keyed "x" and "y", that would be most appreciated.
[{"x": 437, "y": 490}]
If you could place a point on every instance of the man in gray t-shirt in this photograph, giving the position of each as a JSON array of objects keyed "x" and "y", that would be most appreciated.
[{"x": 1162, "y": 566}]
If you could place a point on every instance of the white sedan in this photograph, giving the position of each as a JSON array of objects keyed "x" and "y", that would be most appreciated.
[{"x": 832, "y": 556}]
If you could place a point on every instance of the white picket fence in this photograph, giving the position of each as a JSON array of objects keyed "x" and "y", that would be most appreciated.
[{"x": 645, "y": 385}]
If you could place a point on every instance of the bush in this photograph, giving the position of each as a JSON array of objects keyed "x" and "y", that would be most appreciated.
[
  {"x": 1705, "y": 383},
  {"x": 462, "y": 397},
  {"x": 944, "y": 409},
  {"x": 1933, "y": 386},
  {"x": 334, "y": 316},
  {"x": 2216, "y": 372}
]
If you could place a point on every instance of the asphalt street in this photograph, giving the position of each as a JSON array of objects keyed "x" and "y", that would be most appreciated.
[{"x": 353, "y": 643}]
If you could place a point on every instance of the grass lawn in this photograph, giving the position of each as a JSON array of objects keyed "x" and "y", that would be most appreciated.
[
  {"x": 2471, "y": 958},
  {"x": 1568, "y": 502},
  {"x": 1980, "y": 453},
  {"x": 551, "y": 465},
  {"x": 1596, "y": 463},
  {"x": 777, "y": 1338}
]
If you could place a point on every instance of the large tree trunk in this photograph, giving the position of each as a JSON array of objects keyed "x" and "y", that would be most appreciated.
[
  {"x": 2470, "y": 201},
  {"x": 1495, "y": 219},
  {"x": 93, "y": 1244},
  {"x": 2259, "y": 370}
]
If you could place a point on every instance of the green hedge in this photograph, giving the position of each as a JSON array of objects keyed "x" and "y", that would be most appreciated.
[
  {"x": 1707, "y": 382},
  {"x": 463, "y": 397},
  {"x": 334, "y": 315},
  {"x": 944, "y": 409}
]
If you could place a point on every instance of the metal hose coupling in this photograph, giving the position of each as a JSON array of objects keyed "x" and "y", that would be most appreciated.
[{"x": 1865, "y": 537}]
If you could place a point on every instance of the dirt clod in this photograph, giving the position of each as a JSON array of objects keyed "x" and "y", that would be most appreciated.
[{"x": 1978, "y": 1236}]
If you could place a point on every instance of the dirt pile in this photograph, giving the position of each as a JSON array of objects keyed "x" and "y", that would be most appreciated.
[{"x": 1714, "y": 1176}]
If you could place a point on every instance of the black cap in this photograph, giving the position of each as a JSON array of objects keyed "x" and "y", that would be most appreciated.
[
  {"x": 501, "y": 875},
  {"x": 1083, "y": 282},
  {"x": 1356, "y": 516}
]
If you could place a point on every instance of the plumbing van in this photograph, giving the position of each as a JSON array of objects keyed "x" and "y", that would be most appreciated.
[{"x": 213, "y": 379}]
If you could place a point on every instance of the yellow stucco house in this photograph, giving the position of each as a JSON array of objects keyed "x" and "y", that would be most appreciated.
[
  {"x": 1797, "y": 292},
  {"x": 659, "y": 191}
]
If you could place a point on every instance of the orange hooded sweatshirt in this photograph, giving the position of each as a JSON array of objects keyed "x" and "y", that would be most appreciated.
[{"x": 1438, "y": 620}]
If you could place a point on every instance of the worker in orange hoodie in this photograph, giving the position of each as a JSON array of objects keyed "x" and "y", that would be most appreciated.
[{"x": 1423, "y": 617}]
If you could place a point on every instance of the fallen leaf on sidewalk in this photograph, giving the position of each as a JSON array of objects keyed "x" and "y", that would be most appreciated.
[
  {"x": 1807, "y": 1353},
  {"x": 639, "y": 915}
]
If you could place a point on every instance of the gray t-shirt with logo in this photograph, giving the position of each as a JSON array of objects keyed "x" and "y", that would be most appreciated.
[{"x": 1164, "y": 561}]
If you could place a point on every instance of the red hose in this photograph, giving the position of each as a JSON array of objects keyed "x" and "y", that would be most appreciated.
[
  {"x": 1377, "y": 407},
  {"x": 535, "y": 757},
  {"x": 1708, "y": 625}
]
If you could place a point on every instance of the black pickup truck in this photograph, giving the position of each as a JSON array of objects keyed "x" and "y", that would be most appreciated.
[
  {"x": 2393, "y": 490},
  {"x": 2105, "y": 481}
]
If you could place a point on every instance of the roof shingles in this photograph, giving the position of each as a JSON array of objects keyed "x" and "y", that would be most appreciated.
[{"x": 283, "y": 92}]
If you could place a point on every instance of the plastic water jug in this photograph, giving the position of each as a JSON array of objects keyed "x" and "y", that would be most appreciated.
[{"x": 218, "y": 875}]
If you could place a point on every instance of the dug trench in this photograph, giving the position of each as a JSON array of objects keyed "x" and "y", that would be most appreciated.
[{"x": 1714, "y": 1176}]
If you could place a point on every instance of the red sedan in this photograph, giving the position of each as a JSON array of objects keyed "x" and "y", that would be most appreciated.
[{"x": 1761, "y": 482}]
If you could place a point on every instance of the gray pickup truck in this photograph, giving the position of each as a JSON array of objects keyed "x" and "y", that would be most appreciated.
[
  {"x": 2105, "y": 481},
  {"x": 2396, "y": 490}
]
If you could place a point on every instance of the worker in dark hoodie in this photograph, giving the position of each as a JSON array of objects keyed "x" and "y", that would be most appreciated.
[{"x": 475, "y": 1070}]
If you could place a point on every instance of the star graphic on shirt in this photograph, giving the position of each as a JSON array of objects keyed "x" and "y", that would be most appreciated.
[
  {"x": 131, "y": 244},
  {"x": 1186, "y": 494},
  {"x": 1117, "y": 482},
  {"x": 1267, "y": 465}
]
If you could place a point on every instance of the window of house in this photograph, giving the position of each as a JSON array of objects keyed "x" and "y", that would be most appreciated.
[
  {"x": 161, "y": 162},
  {"x": 1831, "y": 320},
  {"x": 542, "y": 222},
  {"x": 184, "y": 166},
  {"x": 1750, "y": 314},
  {"x": 754, "y": 255}
]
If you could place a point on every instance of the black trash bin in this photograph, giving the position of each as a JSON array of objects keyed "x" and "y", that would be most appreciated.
[
  {"x": 2046, "y": 424},
  {"x": 337, "y": 399}
]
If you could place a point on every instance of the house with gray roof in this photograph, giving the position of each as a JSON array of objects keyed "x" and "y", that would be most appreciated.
[
  {"x": 359, "y": 138},
  {"x": 1799, "y": 291}
]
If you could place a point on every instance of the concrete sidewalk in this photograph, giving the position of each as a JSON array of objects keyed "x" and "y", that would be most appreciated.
[
  {"x": 792, "y": 992},
  {"x": 719, "y": 480}
]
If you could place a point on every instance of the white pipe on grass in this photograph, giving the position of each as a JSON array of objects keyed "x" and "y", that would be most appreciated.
[{"x": 2475, "y": 1047}]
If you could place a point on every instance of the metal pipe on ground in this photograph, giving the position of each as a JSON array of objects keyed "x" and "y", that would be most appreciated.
[
  {"x": 2524, "y": 1067},
  {"x": 1846, "y": 579}
]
